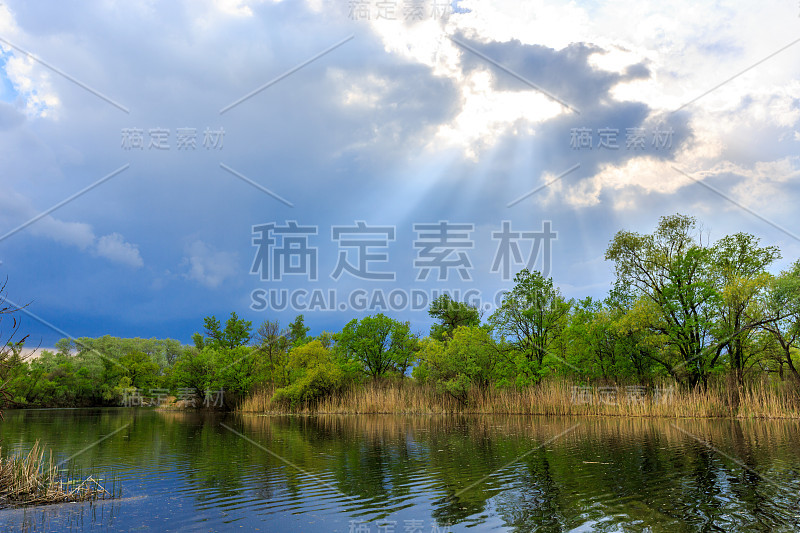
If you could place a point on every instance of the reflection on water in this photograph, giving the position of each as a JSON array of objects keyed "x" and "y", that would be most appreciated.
[{"x": 201, "y": 472}]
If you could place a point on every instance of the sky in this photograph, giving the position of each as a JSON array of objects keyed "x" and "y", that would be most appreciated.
[{"x": 162, "y": 162}]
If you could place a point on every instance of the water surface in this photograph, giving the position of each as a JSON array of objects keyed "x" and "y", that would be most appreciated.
[{"x": 415, "y": 474}]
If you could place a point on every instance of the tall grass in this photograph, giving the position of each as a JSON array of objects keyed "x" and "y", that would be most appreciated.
[
  {"x": 377, "y": 428},
  {"x": 760, "y": 399},
  {"x": 34, "y": 479}
]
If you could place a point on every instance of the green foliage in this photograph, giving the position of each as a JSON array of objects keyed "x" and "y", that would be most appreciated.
[
  {"x": 462, "y": 362},
  {"x": 93, "y": 372},
  {"x": 235, "y": 370},
  {"x": 236, "y": 333},
  {"x": 606, "y": 341},
  {"x": 315, "y": 374},
  {"x": 739, "y": 271},
  {"x": 781, "y": 303},
  {"x": 272, "y": 349},
  {"x": 449, "y": 315},
  {"x": 707, "y": 302},
  {"x": 141, "y": 370},
  {"x": 58, "y": 380},
  {"x": 531, "y": 319},
  {"x": 380, "y": 344},
  {"x": 298, "y": 332},
  {"x": 593, "y": 340},
  {"x": 193, "y": 370},
  {"x": 672, "y": 268}
]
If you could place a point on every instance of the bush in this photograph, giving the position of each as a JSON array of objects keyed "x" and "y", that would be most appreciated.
[
  {"x": 314, "y": 374},
  {"x": 315, "y": 385},
  {"x": 456, "y": 365}
]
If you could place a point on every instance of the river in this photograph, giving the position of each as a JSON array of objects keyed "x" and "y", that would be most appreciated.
[{"x": 179, "y": 471}]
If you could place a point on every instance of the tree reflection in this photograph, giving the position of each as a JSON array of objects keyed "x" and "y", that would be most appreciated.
[{"x": 608, "y": 474}]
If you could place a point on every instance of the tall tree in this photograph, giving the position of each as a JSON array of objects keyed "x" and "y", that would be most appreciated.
[
  {"x": 236, "y": 332},
  {"x": 273, "y": 345},
  {"x": 670, "y": 267},
  {"x": 465, "y": 360},
  {"x": 739, "y": 270},
  {"x": 531, "y": 317},
  {"x": 379, "y": 343},
  {"x": 450, "y": 314},
  {"x": 193, "y": 371},
  {"x": 298, "y": 331},
  {"x": 593, "y": 338},
  {"x": 782, "y": 303}
]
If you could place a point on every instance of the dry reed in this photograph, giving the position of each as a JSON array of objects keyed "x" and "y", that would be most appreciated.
[
  {"x": 760, "y": 399},
  {"x": 34, "y": 479}
]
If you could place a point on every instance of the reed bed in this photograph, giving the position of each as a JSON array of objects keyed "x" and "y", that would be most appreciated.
[
  {"x": 739, "y": 437},
  {"x": 35, "y": 479},
  {"x": 760, "y": 399}
]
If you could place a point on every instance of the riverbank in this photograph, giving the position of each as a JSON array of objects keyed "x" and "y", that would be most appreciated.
[{"x": 554, "y": 398}]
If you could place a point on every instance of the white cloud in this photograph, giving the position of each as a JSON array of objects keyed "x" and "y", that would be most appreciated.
[
  {"x": 77, "y": 234},
  {"x": 761, "y": 185},
  {"x": 647, "y": 174},
  {"x": 688, "y": 47},
  {"x": 238, "y": 8},
  {"x": 15, "y": 209},
  {"x": 207, "y": 266},
  {"x": 114, "y": 248},
  {"x": 413, "y": 127},
  {"x": 486, "y": 114},
  {"x": 32, "y": 82}
]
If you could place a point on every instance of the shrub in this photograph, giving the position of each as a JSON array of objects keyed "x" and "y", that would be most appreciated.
[
  {"x": 316, "y": 384},
  {"x": 456, "y": 365},
  {"x": 314, "y": 374}
]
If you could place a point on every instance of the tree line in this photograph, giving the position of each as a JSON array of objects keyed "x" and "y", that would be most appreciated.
[{"x": 682, "y": 310}]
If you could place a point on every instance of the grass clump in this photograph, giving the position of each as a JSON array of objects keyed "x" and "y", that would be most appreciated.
[{"x": 35, "y": 479}]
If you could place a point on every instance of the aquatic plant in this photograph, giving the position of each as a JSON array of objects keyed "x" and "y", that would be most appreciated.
[{"x": 35, "y": 479}]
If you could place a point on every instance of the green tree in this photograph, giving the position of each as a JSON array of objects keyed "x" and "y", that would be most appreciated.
[
  {"x": 298, "y": 331},
  {"x": 140, "y": 369},
  {"x": 236, "y": 371},
  {"x": 634, "y": 341},
  {"x": 531, "y": 318},
  {"x": 236, "y": 333},
  {"x": 193, "y": 370},
  {"x": 739, "y": 269},
  {"x": 464, "y": 360},
  {"x": 315, "y": 373},
  {"x": 782, "y": 305},
  {"x": 671, "y": 267},
  {"x": 379, "y": 343},
  {"x": 593, "y": 339},
  {"x": 272, "y": 345},
  {"x": 450, "y": 314}
]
